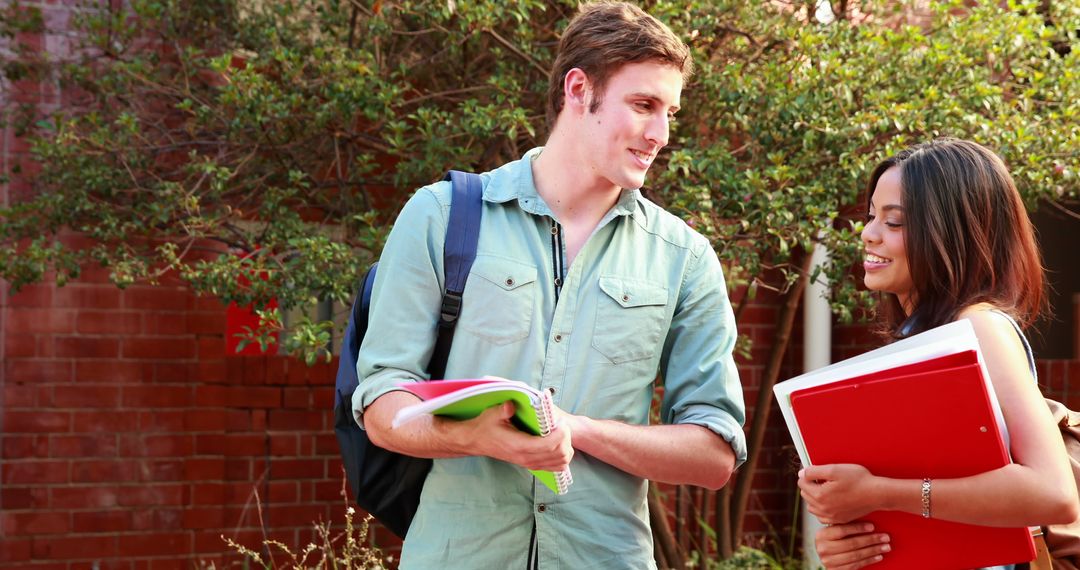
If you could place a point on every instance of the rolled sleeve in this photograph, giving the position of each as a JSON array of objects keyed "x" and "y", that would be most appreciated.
[
  {"x": 701, "y": 381},
  {"x": 405, "y": 300}
]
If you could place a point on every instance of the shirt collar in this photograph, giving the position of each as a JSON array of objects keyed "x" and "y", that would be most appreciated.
[{"x": 514, "y": 181}]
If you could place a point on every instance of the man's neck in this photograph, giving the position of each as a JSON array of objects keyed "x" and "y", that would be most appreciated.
[{"x": 575, "y": 196}]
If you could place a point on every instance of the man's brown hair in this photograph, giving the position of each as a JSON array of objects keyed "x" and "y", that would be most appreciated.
[{"x": 603, "y": 37}]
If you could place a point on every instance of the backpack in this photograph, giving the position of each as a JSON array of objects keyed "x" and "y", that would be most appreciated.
[
  {"x": 1063, "y": 540},
  {"x": 386, "y": 484}
]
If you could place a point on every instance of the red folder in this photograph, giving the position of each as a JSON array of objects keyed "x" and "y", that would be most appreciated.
[{"x": 929, "y": 419}]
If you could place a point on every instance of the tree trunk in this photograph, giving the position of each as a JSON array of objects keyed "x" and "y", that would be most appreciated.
[
  {"x": 666, "y": 552},
  {"x": 784, "y": 325}
]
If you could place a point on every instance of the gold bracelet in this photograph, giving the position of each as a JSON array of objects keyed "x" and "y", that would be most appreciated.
[{"x": 926, "y": 498}]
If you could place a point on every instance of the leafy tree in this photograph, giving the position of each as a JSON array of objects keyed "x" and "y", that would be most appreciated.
[{"x": 258, "y": 150}]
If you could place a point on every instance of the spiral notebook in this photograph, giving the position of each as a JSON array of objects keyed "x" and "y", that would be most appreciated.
[{"x": 468, "y": 398}]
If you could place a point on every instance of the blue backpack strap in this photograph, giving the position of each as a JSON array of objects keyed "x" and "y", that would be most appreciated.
[{"x": 459, "y": 252}]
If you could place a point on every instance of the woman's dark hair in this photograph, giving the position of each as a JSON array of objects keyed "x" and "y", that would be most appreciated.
[{"x": 967, "y": 235}]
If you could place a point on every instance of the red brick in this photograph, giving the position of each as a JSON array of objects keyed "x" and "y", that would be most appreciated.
[
  {"x": 150, "y": 495},
  {"x": 19, "y": 498},
  {"x": 253, "y": 397},
  {"x": 15, "y": 550},
  {"x": 36, "y": 422},
  {"x": 21, "y": 524},
  {"x": 159, "y": 348},
  {"x": 166, "y": 324},
  {"x": 80, "y": 497},
  {"x": 108, "y": 322},
  {"x": 158, "y": 470},
  {"x": 28, "y": 370},
  {"x": 231, "y": 444},
  {"x": 208, "y": 493},
  {"x": 156, "y": 396},
  {"x": 284, "y": 444},
  {"x": 326, "y": 444},
  {"x": 297, "y": 469},
  {"x": 283, "y": 492},
  {"x": 103, "y": 421},
  {"x": 34, "y": 472},
  {"x": 208, "y": 323},
  {"x": 238, "y": 469},
  {"x": 101, "y": 521},
  {"x": 174, "y": 372},
  {"x": 156, "y": 519},
  {"x": 204, "y": 517},
  {"x": 112, "y": 372},
  {"x": 212, "y": 371},
  {"x": 239, "y": 420},
  {"x": 157, "y": 298},
  {"x": 20, "y": 346},
  {"x": 303, "y": 398},
  {"x": 204, "y": 420},
  {"x": 37, "y": 295},
  {"x": 171, "y": 445},
  {"x": 25, "y": 447},
  {"x": 86, "y": 396},
  {"x": 101, "y": 445},
  {"x": 36, "y": 321},
  {"x": 101, "y": 470},
  {"x": 298, "y": 513},
  {"x": 162, "y": 421},
  {"x": 102, "y": 546},
  {"x": 86, "y": 348},
  {"x": 295, "y": 420},
  {"x": 87, "y": 296},
  {"x": 20, "y": 396},
  {"x": 204, "y": 469}
]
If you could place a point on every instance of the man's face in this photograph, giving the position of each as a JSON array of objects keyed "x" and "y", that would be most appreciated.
[{"x": 623, "y": 136}]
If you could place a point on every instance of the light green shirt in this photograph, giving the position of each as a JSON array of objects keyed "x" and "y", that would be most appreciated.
[{"x": 645, "y": 293}]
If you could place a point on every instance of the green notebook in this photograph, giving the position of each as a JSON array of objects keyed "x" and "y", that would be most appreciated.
[{"x": 466, "y": 399}]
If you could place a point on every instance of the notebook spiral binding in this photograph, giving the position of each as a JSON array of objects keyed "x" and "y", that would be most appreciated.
[{"x": 563, "y": 478}]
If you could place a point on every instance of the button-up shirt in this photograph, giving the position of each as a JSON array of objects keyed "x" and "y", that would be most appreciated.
[{"x": 645, "y": 294}]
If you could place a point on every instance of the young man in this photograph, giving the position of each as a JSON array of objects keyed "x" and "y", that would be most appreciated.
[{"x": 581, "y": 287}]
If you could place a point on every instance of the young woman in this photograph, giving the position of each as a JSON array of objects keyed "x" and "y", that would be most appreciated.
[{"x": 947, "y": 238}]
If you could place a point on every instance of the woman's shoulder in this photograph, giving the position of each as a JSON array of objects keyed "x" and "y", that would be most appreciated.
[{"x": 998, "y": 335}]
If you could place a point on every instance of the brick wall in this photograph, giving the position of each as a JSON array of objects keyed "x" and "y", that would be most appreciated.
[{"x": 131, "y": 439}]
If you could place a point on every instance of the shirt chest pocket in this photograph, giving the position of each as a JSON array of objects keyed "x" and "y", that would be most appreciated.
[
  {"x": 499, "y": 300},
  {"x": 631, "y": 319}
]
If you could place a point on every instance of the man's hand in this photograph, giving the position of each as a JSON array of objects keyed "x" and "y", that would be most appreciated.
[
  {"x": 493, "y": 435},
  {"x": 850, "y": 546},
  {"x": 838, "y": 493}
]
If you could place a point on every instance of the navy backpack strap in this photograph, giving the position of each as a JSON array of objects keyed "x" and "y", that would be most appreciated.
[{"x": 462, "y": 235}]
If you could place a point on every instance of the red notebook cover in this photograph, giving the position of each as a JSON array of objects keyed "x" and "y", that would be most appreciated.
[{"x": 929, "y": 419}]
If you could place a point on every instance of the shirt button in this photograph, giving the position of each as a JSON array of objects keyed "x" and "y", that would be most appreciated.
[
  {"x": 554, "y": 230},
  {"x": 509, "y": 282},
  {"x": 551, "y": 390},
  {"x": 558, "y": 338},
  {"x": 558, "y": 282},
  {"x": 625, "y": 298},
  {"x": 541, "y": 508}
]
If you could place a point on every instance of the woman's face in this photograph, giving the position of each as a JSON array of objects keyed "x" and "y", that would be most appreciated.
[{"x": 885, "y": 261}]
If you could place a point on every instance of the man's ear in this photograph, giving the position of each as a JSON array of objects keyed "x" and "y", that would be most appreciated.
[{"x": 577, "y": 90}]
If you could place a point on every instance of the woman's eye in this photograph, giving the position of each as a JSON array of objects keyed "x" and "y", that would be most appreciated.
[{"x": 894, "y": 224}]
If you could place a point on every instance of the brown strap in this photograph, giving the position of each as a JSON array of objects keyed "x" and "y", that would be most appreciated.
[{"x": 1042, "y": 554}]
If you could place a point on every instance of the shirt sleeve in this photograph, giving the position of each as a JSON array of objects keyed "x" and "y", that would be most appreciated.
[
  {"x": 405, "y": 300},
  {"x": 701, "y": 382}
]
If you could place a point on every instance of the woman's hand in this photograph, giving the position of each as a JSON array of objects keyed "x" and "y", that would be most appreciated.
[
  {"x": 839, "y": 493},
  {"x": 850, "y": 546}
]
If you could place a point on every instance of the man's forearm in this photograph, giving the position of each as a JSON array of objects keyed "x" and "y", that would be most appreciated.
[
  {"x": 491, "y": 434},
  {"x": 418, "y": 438},
  {"x": 683, "y": 454}
]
